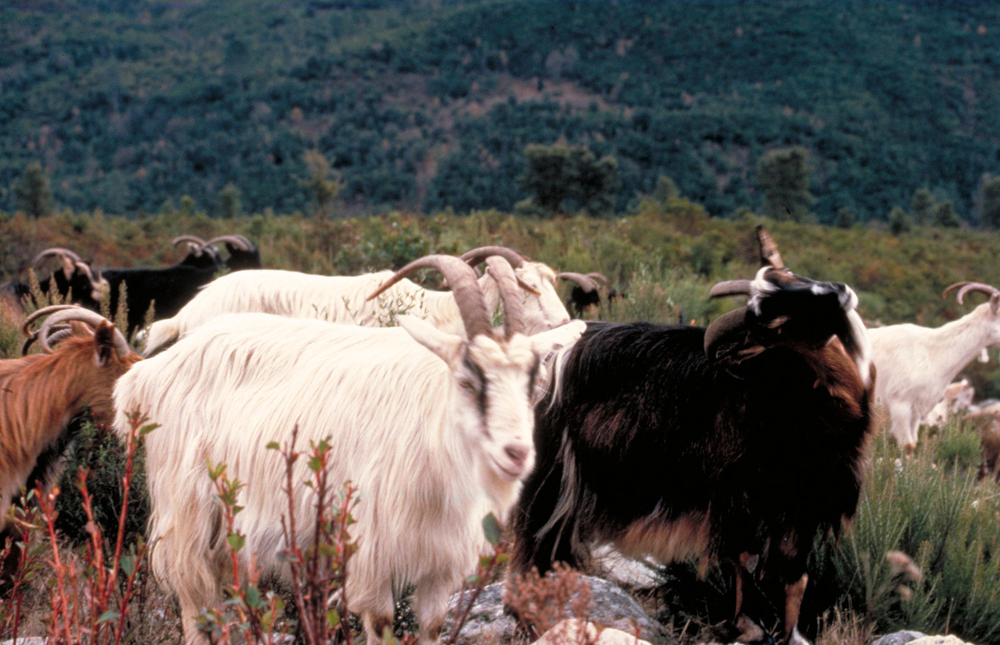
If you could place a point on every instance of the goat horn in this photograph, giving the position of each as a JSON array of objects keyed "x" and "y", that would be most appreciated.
[
  {"x": 768, "y": 249},
  {"x": 63, "y": 253},
  {"x": 44, "y": 311},
  {"x": 730, "y": 288},
  {"x": 477, "y": 256},
  {"x": 66, "y": 313},
  {"x": 966, "y": 287},
  {"x": 586, "y": 283},
  {"x": 236, "y": 240},
  {"x": 600, "y": 277},
  {"x": 510, "y": 294},
  {"x": 189, "y": 238},
  {"x": 721, "y": 326},
  {"x": 464, "y": 286}
]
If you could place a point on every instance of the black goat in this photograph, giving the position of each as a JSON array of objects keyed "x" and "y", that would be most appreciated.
[
  {"x": 74, "y": 280},
  {"x": 171, "y": 288},
  {"x": 585, "y": 293},
  {"x": 728, "y": 443}
]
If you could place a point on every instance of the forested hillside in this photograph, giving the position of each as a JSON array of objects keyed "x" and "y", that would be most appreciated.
[{"x": 427, "y": 106}]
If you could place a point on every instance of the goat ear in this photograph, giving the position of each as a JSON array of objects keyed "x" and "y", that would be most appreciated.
[
  {"x": 525, "y": 282},
  {"x": 104, "y": 342},
  {"x": 553, "y": 339},
  {"x": 448, "y": 347}
]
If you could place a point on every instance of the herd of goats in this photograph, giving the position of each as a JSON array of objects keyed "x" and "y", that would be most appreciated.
[{"x": 734, "y": 443}]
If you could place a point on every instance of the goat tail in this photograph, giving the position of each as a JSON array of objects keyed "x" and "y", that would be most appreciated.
[{"x": 162, "y": 334}]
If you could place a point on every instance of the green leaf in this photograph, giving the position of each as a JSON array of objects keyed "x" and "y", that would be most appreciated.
[
  {"x": 108, "y": 615},
  {"x": 128, "y": 565},
  {"x": 273, "y": 445},
  {"x": 332, "y": 619},
  {"x": 491, "y": 527},
  {"x": 236, "y": 542}
]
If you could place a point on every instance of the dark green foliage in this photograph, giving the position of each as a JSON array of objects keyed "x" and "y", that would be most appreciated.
[
  {"x": 944, "y": 215},
  {"x": 899, "y": 221},
  {"x": 783, "y": 175},
  {"x": 989, "y": 194},
  {"x": 922, "y": 205},
  {"x": 32, "y": 191},
  {"x": 103, "y": 454},
  {"x": 229, "y": 201},
  {"x": 558, "y": 174},
  {"x": 131, "y": 105}
]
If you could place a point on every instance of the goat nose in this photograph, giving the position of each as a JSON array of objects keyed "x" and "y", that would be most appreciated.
[{"x": 518, "y": 453}]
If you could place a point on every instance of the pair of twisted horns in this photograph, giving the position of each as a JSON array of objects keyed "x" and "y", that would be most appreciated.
[
  {"x": 735, "y": 319},
  {"x": 468, "y": 295},
  {"x": 966, "y": 287},
  {"x": 587, "y": 282},
  {"x": 56, "y": 327},
  {"x": 69, "y": 258},
  {"x": 769, "y": 256},
  {"x": 516, "y": 259},
  {"x": 238, "y": 241}
]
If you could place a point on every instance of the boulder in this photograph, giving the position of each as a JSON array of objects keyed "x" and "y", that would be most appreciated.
[{"x": 612, "y": 608}]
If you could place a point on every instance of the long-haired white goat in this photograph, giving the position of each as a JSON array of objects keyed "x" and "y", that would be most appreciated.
[
  {"x": 348, "y": 300},
  {"x": 434, "y": 428},
  {"x": 41, "y": 394},
  {"x": 916, "y": 364}
]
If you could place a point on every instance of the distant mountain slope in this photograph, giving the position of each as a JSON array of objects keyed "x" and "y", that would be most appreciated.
[{"x": 430, "y": 105}]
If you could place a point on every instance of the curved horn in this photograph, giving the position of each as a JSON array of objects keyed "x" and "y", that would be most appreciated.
[
  {"x": 39, "y": 313},
  {"x": 510, "y": 294},
  {"x": 476, "y": 256},
  {"x": 599, "y": 277},
  {"x": 61, "y": 252},
  {"x": 55, "y": 324},
  {"x": 768, "y": 249},
  {"x": 585, "y": 283},
  {"x": 461, "y": 277},
  {"x": 244, "y": 239},
  {"x": 236, "y": 240},
  {"x": 730, "y": 288},
  {"x": 194, "y": 239},
  {"x": 721, "y": 326},
  {"x": 966, "y": 287}
]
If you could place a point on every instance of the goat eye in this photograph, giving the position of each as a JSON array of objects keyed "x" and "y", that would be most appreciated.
[{"x": 467, "y": 385}]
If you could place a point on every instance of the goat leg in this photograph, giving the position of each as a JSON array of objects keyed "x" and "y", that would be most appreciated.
[{"x": 793, "y": 604}]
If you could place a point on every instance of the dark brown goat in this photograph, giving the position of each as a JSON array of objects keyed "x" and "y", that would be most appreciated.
[{"x": 728, "y": 443}]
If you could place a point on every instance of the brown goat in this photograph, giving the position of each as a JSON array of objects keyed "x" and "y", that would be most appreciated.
[{"x": 41, "y": 394}]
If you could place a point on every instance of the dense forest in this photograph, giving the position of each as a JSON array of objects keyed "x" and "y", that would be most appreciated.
[{"x": 127, "y": 106}]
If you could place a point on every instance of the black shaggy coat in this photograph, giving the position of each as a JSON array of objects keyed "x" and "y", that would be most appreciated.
[{"x": 647, "y": 443}]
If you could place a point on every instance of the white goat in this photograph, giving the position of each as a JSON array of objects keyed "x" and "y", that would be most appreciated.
[
  {"x": 915, "y": 364},
  {"x": 347, "y": 300},
  {"x": 957, "y": 397},
  {"x": 434, "y": 429}
]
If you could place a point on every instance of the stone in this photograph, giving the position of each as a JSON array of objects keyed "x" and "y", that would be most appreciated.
[
  {"x": 938, "y": 640},
  {"x": 576, "y": 630},
  {"x": 612, "y": 608},
  {"x": 899, "y": 638}
]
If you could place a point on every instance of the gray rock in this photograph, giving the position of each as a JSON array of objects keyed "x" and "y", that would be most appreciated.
[
  {"x": 636, "y": 573},
  {"x": 612, "y": 608},
  {"x": 939, "y": 640},
  {"x": 899, "y": 638}
]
